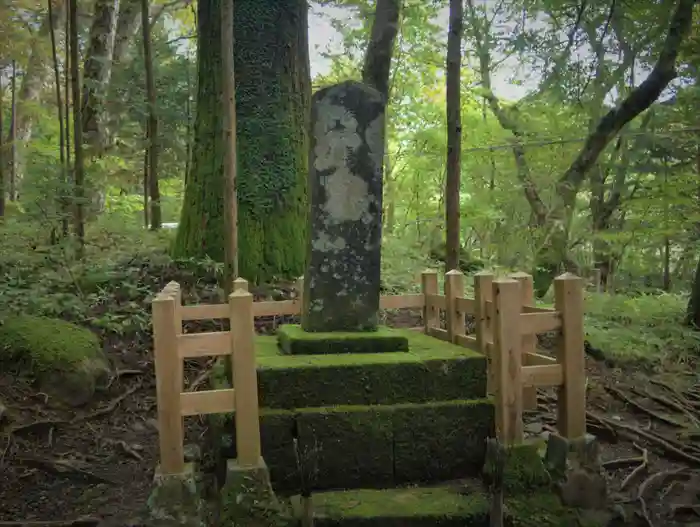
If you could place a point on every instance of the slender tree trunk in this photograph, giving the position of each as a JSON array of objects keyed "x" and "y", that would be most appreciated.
[
  {"x": 2, "y": 152},
  {"x": 153, "y": 142},
  {"x": 13, "y": 135},
  {"x": 66, "y": 90},
  {"x": 146, "y": 215},
  {"x": 229, "y": 111},
  {"x": 61, "y": 138},
  {"x": 454, "y": 136},
  {"x": 79, "y": 175}
]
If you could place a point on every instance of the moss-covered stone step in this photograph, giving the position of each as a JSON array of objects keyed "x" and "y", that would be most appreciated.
[
  {"x": 460, "y": 504},
  {"x": 431, "y": 370},
  {"x": 293, "y": 340},
  {"x": 345, "y": 447}
]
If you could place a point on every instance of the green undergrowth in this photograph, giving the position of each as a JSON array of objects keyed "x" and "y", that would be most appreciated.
[{"x": 641, "y": 329}]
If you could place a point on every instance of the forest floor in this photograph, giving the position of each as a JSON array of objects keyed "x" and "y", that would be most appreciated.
[{"x": 97, "y": 465}]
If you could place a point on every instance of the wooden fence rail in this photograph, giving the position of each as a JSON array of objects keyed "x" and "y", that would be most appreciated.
[{"x": 506, "y": 325}]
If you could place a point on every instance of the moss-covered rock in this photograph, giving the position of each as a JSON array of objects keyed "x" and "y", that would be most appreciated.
[
  {"x": 293, "y": 340},
  {"x": 67, "y": 360},
  {"x": 524, "y": 470},
  {"x": 175, "y": 499},
  {"x": 247, "y": 499}
]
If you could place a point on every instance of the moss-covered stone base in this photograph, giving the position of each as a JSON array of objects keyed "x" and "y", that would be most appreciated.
[
  {"x": 457, "y": 505},
  {"x": 176, "y": 500},
  {"x": 293, "y": 340},
  {"x": 346, "y": 447},
  {"x": 247, "y": 499},
  {"x": 431, "y": 370}
]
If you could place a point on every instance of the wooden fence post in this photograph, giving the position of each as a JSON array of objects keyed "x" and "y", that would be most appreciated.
[
  {"x": 168, "y": 365},
  {"x": 240, "y": 284},
  {"x": 507, "y": 357},
  {"x": 429, "y": 284},
  {"x": 454, "y": 287},
  {"x": 484, "y": 336},
  {"x": 245, "y": 378},
  {"x": 571, "y": 418},
  {"x": 529, "y": 344}
]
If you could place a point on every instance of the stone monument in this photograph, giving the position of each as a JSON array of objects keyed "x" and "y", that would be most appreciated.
[
  {"x": 342, "y": 279},
  {"x": 341, "y": 283}
]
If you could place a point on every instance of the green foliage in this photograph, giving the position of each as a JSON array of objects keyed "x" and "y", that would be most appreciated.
[{"x": 647, "y": 328}]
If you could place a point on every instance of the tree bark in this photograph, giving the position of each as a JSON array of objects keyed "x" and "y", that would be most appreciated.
[
  {"x": 273, "y": 92},
  {"x": 78, "y": 169},
  {"x": 228, "y": 104},
  {"x": 377, "y": 64},
  {"x": 61, "y": 199},
  {"x": 454, "y": 136},
  {"x": 152, "y": 126},
  {"x": 97, "y": 71},
  {"x": 2, "y": 152},
  {"x": 128, "y": 23},
  {"x": 13, "y": 195}
]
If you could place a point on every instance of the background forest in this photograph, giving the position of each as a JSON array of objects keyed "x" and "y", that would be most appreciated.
[{"x": 89, "y": 233}]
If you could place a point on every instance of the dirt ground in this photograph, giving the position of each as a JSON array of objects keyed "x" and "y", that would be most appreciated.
[{"x": 59, "y": 465}]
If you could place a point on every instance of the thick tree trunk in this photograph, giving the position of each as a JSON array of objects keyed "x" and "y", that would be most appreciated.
[
  {"x": 128, "y": 24},
  {"x": 454, "y": 136},
  {"x": 273, "y": 92},
  {"x": 228, "y": 103},
  {"x": 377, "y": 66},
  {"x": 153, "y": 138},
  {"x": 97, "y": 71}
]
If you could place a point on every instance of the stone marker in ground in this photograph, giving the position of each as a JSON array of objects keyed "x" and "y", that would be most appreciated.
[{"x": 341, "y": 283}]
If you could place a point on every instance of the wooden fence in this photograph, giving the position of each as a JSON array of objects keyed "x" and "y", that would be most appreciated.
[{"x": 506, "y": 326}]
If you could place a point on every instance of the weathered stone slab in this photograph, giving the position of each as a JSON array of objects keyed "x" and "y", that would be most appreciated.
[{"x": 341, "y": 283}]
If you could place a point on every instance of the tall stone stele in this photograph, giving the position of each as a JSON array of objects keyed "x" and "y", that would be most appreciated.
[{"x": 341, "y": 283}]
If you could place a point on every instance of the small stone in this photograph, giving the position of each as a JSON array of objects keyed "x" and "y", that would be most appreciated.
[
  {"x": 193, "y": 453},
  {"x": 584, "y": 490},
  {"x": 4, "y": 416},
  {"x": 557, "y": 455},
  {"x": 534, "y": 428},
  {"x": 585, "y": 453}
]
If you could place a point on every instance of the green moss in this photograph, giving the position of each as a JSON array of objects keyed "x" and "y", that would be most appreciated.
[
  {"x": 430, "y": 370},
  {"x": 293, "y": 340},
  {"x": 440, "y": 441},
  {"x": 47, "y": 343},
  {"x": 272, "y": 111},
  {"x": 351, "y": 446},
  {"x": 423, "y": 506},
  {"x": 465, "y": 505},
  {"x": 524, "y": 469},
  {"x": 248, "y": 499}
]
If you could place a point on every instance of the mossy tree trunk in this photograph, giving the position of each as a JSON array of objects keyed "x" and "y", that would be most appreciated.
[{"x": 273, "y": 92}]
